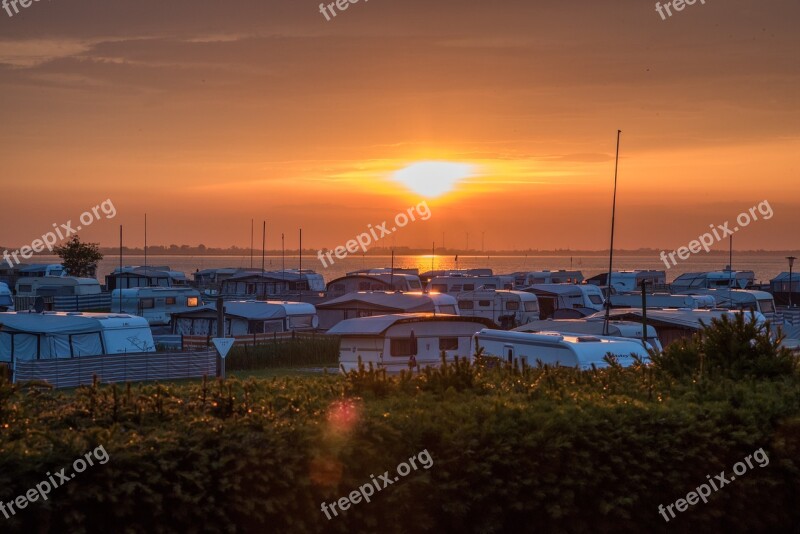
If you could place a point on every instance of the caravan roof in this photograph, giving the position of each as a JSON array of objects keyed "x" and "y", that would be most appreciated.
[
  {"x": 378, "y": 324},
  {"x": 257, "y": 310},
  {"x": 67, "y": 322},
  {"x": 392, "y": 299}
]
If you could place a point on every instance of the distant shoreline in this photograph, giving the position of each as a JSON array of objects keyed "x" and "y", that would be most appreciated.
[{"x": 383, "y": 252}]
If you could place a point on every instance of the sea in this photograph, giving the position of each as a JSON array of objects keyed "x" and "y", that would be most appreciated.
[{"x": 765, "y": 266}]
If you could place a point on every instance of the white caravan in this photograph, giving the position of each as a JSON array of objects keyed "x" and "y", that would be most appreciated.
[
  {"x": 457, "y": 284},
  {"x": 389, "y": 341},
  {"x": 49, "y": 335},
  {"x": 628, "y": 281},
  {"x": 156, "y": 304},
  {"x": 553, "y": 348},
  {"x": 567, "y": 300},
  {"x": 740, "y": 299},
  {"x": 52, "y": 286},
  {"x": 505, "y": 308},
  {"x": 663, "y": 300},
  {"x": 594, "y": 326},
  {"x": 713, "y": 280}
]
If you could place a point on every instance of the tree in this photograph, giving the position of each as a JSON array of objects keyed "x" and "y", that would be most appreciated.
[{"x": 78, "y": 258}]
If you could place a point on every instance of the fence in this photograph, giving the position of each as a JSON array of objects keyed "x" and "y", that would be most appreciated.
[
  {"x": 204, "y": 342},
  {"x": 67, "y": 303},
  {"x": 72, "y": 372}
]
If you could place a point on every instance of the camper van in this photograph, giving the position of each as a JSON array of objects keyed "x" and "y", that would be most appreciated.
[
  {"x": 663, "y": 300},
  {"x": 630, "y": 281},
  {"x": 565, "y": 301},
  {"x": 51, "y": 286},
  {"x": 457, "y": 284},
  {"x": 389, "y": 341},
  {"x": 527, "y": 279},
  {"x": 553, "y": 348},
  {"x": 156, "y": 304},
  {"x": 505, "y": 308},
  {"x": 6, "y": 300},
  {"x": 48, "y": 335}
]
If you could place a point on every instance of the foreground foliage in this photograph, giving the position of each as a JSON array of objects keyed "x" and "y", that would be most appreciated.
[{"x": 514, "y": 450}]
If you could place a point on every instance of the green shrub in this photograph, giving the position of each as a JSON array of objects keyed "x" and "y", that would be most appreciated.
[{"x": 728, "y": 348}]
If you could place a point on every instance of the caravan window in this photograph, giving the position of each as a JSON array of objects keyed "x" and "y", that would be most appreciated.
[
  {"x": 448, "y": 309},
  {"x": 595, "y": 299},
  {"x": 413, "y": 284},
  {"x": 512, "y": 305},
  {"x": 489, "y": 286},
  {"x": 147, "y": 304},
  {"x": 767, "y": 306},
  {"x": 466, "y": 304},
  {"x": 485, "y": 303},
  {"x": 469, "y": 287},
  {"x": 25, "y": 288},
  {"x": 192, "y": 302},
  {"x": 436, "y": 288},
  {"x": 169, "y": 301},
  {"x": 400, "y": 347},
  {"x": 448, "y": 343},
  {"x": 531, "y": 306},
  {"x": 300, "y": 321}
]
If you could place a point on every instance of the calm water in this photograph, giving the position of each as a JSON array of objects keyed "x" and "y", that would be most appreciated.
[{"x": 765, "y": 266}]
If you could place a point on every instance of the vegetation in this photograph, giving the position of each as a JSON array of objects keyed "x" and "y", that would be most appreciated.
[
  {"x": 514, "y": 450},
  {"x": 322, "y": 351},
  {"x": 78, "y": 258}
]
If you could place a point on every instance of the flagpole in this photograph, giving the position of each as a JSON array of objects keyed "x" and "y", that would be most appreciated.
[{"x": 611, "y": 249}]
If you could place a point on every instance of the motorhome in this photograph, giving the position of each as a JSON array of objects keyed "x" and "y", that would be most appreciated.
[
  {"x": 389, "y": 341},
  {"x": 369, "y": 303},
  {"x": 594, "y": 326},
  {"x": 156, "y": 304},
  {"x": 6, "y": 300},
  {"x": 713, "y": 280},
  {"x": 527, "y": 279},
  {"x": 51, "y": 286},
  {"x": 553, "y": 348},
  {"x": 457, "y": 284},
  {"x": 504, "y": 308},
  {"x": 247, "y": 317},
  {"x": 48, "y": 335},
  {"x": 630, "y": 281},
  {"x": 373, "y": 282},
  {"x": 564, "y": 301},
  {"x": 663, "y": 300},
  {"x": 387, "y": 270}
]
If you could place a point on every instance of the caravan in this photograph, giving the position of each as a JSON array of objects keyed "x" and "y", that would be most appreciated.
[
  {"x": 6, "y": 300},
  {"x": 52, "y": 286},
  {"x": 505, "y": 308},
  {"x": 156, "y": 304},
  {"x": 458, "y": 283},
  {"x": 564, "y": 301},
  {"x": 629, "y": 281},
  {"x": 553, "y": 348},
  {"x": 389, "y": 341}
]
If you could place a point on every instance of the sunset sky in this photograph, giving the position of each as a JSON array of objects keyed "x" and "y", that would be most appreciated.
[{"x": 205, "y": 114}]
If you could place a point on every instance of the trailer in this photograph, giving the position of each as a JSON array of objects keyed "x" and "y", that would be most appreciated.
[
  {"x": 504, "y": 308},
  {"x": 390, "y": 341},
  {"x": 156, "y": 304},
  {"x": 554, "y": 348}
]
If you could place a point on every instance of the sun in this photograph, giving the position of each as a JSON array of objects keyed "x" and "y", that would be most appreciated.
[{"x": 432, "y": 178}]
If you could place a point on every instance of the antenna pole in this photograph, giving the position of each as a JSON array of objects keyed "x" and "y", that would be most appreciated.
[
  {"x": 251, "y": 243},
  {"x": 119, "y": 284},
  {"x": 611, "y": 249},
  {"x": 146, "y": 270}
]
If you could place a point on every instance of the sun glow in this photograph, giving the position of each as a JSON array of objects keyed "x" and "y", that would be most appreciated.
[{"x": 433, "y": 178}]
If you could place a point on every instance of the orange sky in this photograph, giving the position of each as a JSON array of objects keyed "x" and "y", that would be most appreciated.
[{"x": 207, "y": 114}]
